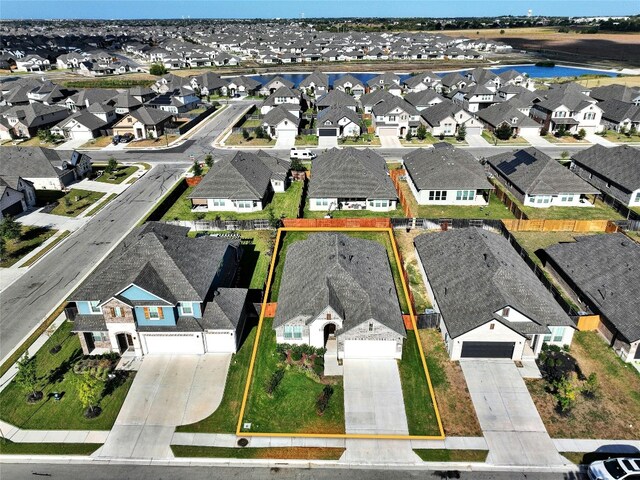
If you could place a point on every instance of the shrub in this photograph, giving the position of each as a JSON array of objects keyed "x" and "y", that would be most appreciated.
[
  {"x": 282, "y": 349},
  {"x": 409, "y": 136},
  {"x": 462, "y": 133},
  {"x": 296, "y": 353},
  {"x": 421, "y": 133},
  {"x": 245, "y": 134},
  {"x": 581, "y": 134},
  {"x": 157, "y": 69},
  {"x": 260, "y": 133},
  {"x": 503, "y": 131},
  {"x": 208, "y": 160},
  {"x": 274, "y": 381},
  {"x": 297, "y": 166},
  {"x": 565, "y": 394},
  {"x": 196, "y": 169},
  {"x": 632, "y": 131},
  {"x": 323, "y": 400},
  {"x": 555, "y": 365},
  {"x": 591, "y": 387},
  {"x": 112, "y": 165}
]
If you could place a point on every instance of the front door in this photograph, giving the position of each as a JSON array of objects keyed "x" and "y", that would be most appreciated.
[{"x": 125, "y": 342}]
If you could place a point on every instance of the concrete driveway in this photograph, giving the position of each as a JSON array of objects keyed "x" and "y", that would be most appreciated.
[
  {"x": 390, "y": 141},
  {"x": 476, "y": 140},
  {"x": 508, "y": 417},
  {"x": 373, "y": 404},
  {"x": 536, "y": 140},
  {"x": 168, "y": 391}
]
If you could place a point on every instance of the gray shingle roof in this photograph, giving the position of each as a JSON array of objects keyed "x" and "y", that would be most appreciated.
[
  {"x": 225, "y": 310},
  {"x": 331, "y": 269},
  {"x": 335, "y": 114},
  {"x": 30, "y": 162},
  {"x": 150, "y": 116},
  {"x": 535, "y": 173},
  {"x": 620, "y": 165},
  {"x": 336, "y": 98},
  {"x": 351, "y": 173},
  {"x": 281, "y": 112},
  {"x": 445, "y": 168},
  {"x": 422, "y": 98},
  {"x": 605, "y": 270},
  {"x": 385, "y": 107},
  {"x": 475, "y": 273},
  {"x": 619, "y": 111},
  {"x": 438, "y": 112},
  {"x": 503, "y": 112}
]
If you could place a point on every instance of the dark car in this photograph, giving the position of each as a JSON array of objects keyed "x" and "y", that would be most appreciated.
[
  {"x": 116, "y": 139},
  {"x": 126, "y": 138}
]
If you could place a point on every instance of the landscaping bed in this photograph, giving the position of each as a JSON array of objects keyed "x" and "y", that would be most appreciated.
[
  {"x": 75, "y": 202},
  {"x": 397, "y": 212},
  {"x": 611, "y": 413},
  {"x": 430, "y": 140},
  {"x": 54, "y": 368},
  {"x": 280, "y": 453},
  {"x": 30, "y": 239}
]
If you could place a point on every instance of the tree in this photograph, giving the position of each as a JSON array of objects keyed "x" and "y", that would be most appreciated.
[
  {"x": 297, "y": 166},
  {"x": 581, "y": 134},
  {"x": 89, "y": 389},
  {"x": 27, "y": 376},
  {"x": 462, "y": 133},
  {"x": 421, "y": 133},
  {"x": 157, "y": 69},
  {"x": 409, "y": 136},
  {"x": 208, "y": 160},
  {"x": 501, "y": 32},
  {"x": 245, "y": 134},
  {"x": 260, "y": 133},
  {"x": 112, "y": 165},
  {"x": 196, "y": 169},
  {"x": 3, "y": 247},
  {"x": 503, "y": 131},
  {"x": 591, "y": 387},
  {"x": 632, "y": 130},
  {"x": 10, "y": 229},
  {"x": 565, "y": 394}
]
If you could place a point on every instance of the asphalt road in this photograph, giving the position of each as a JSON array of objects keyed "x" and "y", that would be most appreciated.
[
  {"x": 146, "y": 472},
  {"x": 27, "y": 301}
]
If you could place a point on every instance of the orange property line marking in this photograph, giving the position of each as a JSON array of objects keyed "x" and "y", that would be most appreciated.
[{"x": 405, "y": 290}]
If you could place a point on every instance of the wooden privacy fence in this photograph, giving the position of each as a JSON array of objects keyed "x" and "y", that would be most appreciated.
[
  {"x": 395, "y": 178},
  {"x": 546, "y": 225},
  {"x": 508, "y": 202},
  {"x": 336, "y": 223}
]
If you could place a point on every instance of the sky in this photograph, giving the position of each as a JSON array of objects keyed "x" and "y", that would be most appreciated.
[{"x": 126, "y": 9}]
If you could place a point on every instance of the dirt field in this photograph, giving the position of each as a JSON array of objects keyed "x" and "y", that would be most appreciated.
[
  {"x": 622, "y": 48},
  {"x": 601, "y": 82}
]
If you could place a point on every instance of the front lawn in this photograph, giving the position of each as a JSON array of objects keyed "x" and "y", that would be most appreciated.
[
  {"x": 75, "y": 202},
  {"x": 236, "y": 139},
  {"x": 30, "y": 239},
  {"x": 291, "y": 408},
  {"x": 304, "y": 140},
  {"x": 493, "y": 140},
  {"x": 120, "y": 175},
  {"x": 418, "y": 404},
  {"x": 280, "y": 453},
  {"x": 452, "y": 395},
  {"x": 34, "y": 142},
  {"x": 225, "y": 418},
  {"x": 366, "y": 139},
  {"x": 613, "y": 414},
  {"x": 99, "y": 142},
  {"x": 565, "y": 139},
  {"x": 495, "y": 210},
  {"x": 251, "y": 123},
  {"x": 55, "y": 373},
  {"x": 162, "y": 141},
  {"x": 397, "y": 212},
  {"x": 282, "y": 204},
  {"x": 8, "y": 447},
  {"x": 443, "y": 455},
  {"x": 430, "y": 140},
  {"x": 620, "y": 138}
]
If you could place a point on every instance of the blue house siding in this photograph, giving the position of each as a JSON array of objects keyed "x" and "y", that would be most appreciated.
[
  {"x": 169, "y": 319},
  {"x": 197, "y": 310},
  {"x": 84, "y": 308},
  {"x": 136, "y": 293}
]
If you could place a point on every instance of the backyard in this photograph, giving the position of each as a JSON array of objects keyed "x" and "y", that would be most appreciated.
[
  {"x": 613, "y": 413},
  {"x": 256, "y": 256},
  {"x": 30, "y": 239},
  {"x": 404, "y": 240},
  {"x": 55, "y": 374},
  {"x": 282, "y": 204},
  {"x": 534, "y": 241},
  {"x": 75, "y": 202},
  {"x": 495, "y": 210},
  {"x": 397, "y": 212},
  {"x": 291, "y": 407},
  {"x": 121, "y": 173}
]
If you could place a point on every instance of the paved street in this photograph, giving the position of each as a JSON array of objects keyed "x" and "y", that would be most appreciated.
[
  {"x": 28, "y": 301},
  {"x": 508, "y": 417}
]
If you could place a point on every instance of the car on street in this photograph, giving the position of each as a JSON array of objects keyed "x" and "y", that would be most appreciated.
[
  {"x": 302, "y": 154},
  {"x": 615, "y": 469}
]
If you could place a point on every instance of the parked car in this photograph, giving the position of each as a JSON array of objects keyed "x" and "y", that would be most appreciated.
[
  {"x": 116, "y": 139},
  {"x": 302, "y": 154},
  {"x": 126, "y": 138},
  {"x": 615, "y": 469}
]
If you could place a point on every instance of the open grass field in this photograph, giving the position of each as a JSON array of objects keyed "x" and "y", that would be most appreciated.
[
  {"x": 30, "y": 239},
  {"x": 614, "y": 414},
  {"x": 55, "y": 374},
  {"x": 280, "y": 453}
]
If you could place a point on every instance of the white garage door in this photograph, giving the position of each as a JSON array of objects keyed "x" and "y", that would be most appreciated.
[
  {"x": 474, "y": 130},
  {"x": 387, "y": 131},
  {"x": 221, "y": 342},
  {"x": 173, "y": 343},
  {"x": 370, "y": 349}
]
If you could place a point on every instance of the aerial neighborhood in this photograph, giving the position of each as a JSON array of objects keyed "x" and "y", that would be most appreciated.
[{"x": 420, "y": 238}]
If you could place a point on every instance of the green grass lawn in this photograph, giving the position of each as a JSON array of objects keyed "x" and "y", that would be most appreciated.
[
  {"x": 283, "y": 204},
  {"x": 30, "y": 239},
  {"x": 102, "y": 204},
  {"x": 364, "y": 139},
  {"x": 79, "y": 201},
  {"x": 442, "y": 455},
  {"x": 8, "y": 447},
  {"x": 254, "y": 265},
  {"x": 421, "y": 414},
  {"x": 302, "y": 140},
  {"x": 292, "y": 408},
  {"x": 119, "y": 176},
  {"x": 493, "y": 140},
  {"x": 430, "y": 140},
  {"x": 397, "y": 212},
  {"x": 56, "y": 375},
  {"x": 620, "y": 138},
  {"x": 44, "y": 197},
  {"x": 33, "y": 259},
  {"x": 280, "y": 453},
  {"x": 534, "y": 241},
  {"x": 251, "y": 123},
  {"x": 565, "y": 139},
  {"x": 236, "y": 139}
]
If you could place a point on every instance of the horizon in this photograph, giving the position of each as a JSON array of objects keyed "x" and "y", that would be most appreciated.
[{"x": 302, "y": 10}]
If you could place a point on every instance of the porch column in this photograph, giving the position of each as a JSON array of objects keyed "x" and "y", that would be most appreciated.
[{"x": 539, "y": 340}]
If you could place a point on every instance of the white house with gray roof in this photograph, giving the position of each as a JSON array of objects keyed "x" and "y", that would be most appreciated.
[
  {"x": 446, "y": 176},
  {"x": 326, "y": 295},
  {"x": 490, "y": 302}
]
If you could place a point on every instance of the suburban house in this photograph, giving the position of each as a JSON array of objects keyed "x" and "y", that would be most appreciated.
[
  {"x": 369, "y": 100},
  {"x": 274, "y": 84},
  {"x": 334, "y": 123},
  {"x": 343, "y": 309},
  {"x": 446, "y": 118},
  {"x": 125, "y": 103},
  {"x": 282, "y": 123},
  {"x": 350, "y": 85},
  {"x": 568, "y": 107},
  {"x": 388, "y": 81},
  {"x": 395, "y": 117},
  {"x": 24, "y": 121},
  {"x": 618, "y": 92},
  {"x": 600, "y": 272},
  {"x": 446, "y": 176},
  {"x": 32, "y": 63},
  {"x": 16, "y": 195},
  {"x": 208, "y": 84},
  {"x": 619, "y": 116},
  {"x": 244, "y": 183},
  {"x": 44, "y": 168},
  {"x": 143, "y": 123},
  {"x": 500, "y": 114},
  {"x": 88, "y": 123},
  {"x": 423, "y": 99},
  {"x": 241, "y": 87},
  {"x": 490, "y": 302},
  {"x": 285, "y": 96},
  {"x": 336, "y": 98},
  {"x": 614, "y": 171},
  {"x": 351, "y": 179},
  {"x": 537, "y": 180},
  {"x": 179, "y": 100},
  {"x": 474, "y": 97},
  {"x": 421, "y": 81},
  {"x": 161, "y": 292},
  {"x": 315, "y": 84}
]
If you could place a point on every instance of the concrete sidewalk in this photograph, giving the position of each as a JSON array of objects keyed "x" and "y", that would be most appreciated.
[
  {"x": 593, "y": 138},
  {"x": 537, "y": 141},
  {"x": 58, "y": 222}
]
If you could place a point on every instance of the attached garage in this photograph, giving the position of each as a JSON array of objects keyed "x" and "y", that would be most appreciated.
[
  {"x": 223, "y": 341},
  {"x": 172, "y": 343},
  {"x": 327, "y": 137},
  {"x": 487, "y": 349},
  {"x": 474, "y": 130},
  {"x": 387, "y": 131},
  {"x": 370, "y": 349}
]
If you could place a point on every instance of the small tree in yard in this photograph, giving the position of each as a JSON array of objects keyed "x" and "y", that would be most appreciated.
[
  {"x": 196, "y": 169},
  {"x": 27, "y": 378},
  {"x": 409, "y": 136},
  {"x": 323, "y": 400},
  {"x": 503, "y": 131},
  {"x": 208, "y": 160},
  {"x": 581, "y": 134},
  {"x": 10, "y": 229},
  {"x": 297, "y": 166},
  {"x": 632, "y": 131},
  {"x": 462, "y": 133},
  {"x": 591, "y": 387},
  {"x": 157, "y": 69},
  {"x": 564, "y": 155},
  {"x": 112, "y": 165},
  {"x": 260, "y": 133},
  {"x": 245, "y": 134},
  {"x": 565, "y": 394},
  {"x": 89, "y": 389},
  {"x": 274, "y": 221},
  {"x": 421, "y": 133},
  {"x": 274, "y": 381}
]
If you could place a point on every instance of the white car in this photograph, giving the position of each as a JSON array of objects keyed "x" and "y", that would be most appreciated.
[
  {"x": 615, "y": 469},
  {"x": 301, "y": 154}
]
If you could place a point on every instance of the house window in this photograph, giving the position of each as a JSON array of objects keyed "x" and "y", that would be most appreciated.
[
  {"x": 566, "y": 198},
  {"x": 95, "y": 307},
  {"x": 370, "y": 326},
  {"x": 244, "y": 204},
  {"x": 637, "y": 197},
  {"x": 505, "y": 311},
  {"x": 329, "y": 316},
  {"x": 100, "y": 336},
  {"x": 465, "y": 195},
  {"x": 218, "y": 203},
  {"x": 492, "y": 326},
  {"x": 555, "y": 336},
  {"x": 379, "y": 203},
  {"x": 293, "y": 331},
  {"x": 392, "y": 118},
  {"x": 561, "y": 114},
  {"x": 590, "y": 116},
  {"x": 153, "y": 313},
  {"x": 117, "y": 312},
  {"x": 187, "y": 308},
  {"x": 437, "y": 195}
]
